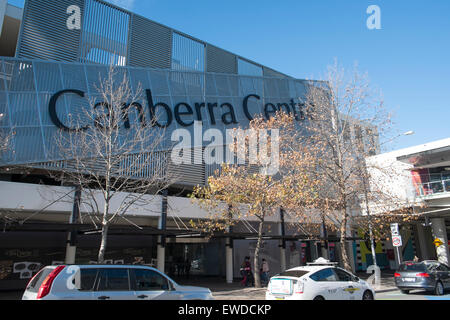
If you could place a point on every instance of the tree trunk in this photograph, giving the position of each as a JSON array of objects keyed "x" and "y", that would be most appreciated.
[
  {"x": 105, "y": 225},
  {"x": 256, "y": 259},
  {"x": 102, "y": 250},
  {"x": 344, "y": 253}
]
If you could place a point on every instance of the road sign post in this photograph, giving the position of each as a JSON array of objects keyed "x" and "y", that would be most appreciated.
[{"x": 396, "y": 241}]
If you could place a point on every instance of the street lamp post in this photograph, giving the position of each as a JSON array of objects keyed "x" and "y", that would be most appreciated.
[{"x": 407, "y": 133}]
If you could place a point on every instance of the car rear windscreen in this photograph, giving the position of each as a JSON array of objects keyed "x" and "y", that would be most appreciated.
[
  {"x": 294, "y": 273},
  {"x": 412, "y": 267},
  {"x": 38, "y": 279}
]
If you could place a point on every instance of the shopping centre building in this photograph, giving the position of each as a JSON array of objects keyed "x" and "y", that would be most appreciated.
[
  {"x": 53, "y": 54},
  {"x": 50, "y": 62}
]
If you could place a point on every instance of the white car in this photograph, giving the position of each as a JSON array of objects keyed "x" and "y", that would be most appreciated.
[
  {"x": 321, "y": 280},
  {"x": 108, "y": 282}
]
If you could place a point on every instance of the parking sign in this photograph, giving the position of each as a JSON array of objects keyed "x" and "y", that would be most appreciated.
[{"x": 397, "y": 241}]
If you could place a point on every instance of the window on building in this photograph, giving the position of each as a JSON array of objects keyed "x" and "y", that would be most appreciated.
[
  {"x": 247, "y": 68},
  {"x": 371, "y": 141},
  {"x": 359, "y": 138},
  {"x": 345, "y": 129},
  {"x": 187, "y": 54},
  {"x": 104, "y": 34}
]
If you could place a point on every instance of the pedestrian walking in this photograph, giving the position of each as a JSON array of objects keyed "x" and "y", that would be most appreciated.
[
  {"x": 265, "y": 271},
  {"x": 246, "y": 272}
]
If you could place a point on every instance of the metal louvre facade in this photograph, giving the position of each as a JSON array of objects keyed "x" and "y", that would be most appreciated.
[
  {"x": 44, "y": 32},
  {"x": 150, "y": 44},
  {"x": 182, "y": 79},
  {"x": 110, "y": 34},
  {"x": 26, "y": 87}
]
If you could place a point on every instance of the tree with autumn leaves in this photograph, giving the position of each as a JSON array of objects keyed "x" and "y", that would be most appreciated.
[
  {"x": 322, "y": 176},
  {"x": 237, "y": 192}
]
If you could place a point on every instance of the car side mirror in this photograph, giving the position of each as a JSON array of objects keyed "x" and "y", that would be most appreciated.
[{"x": 356, "y": 279}]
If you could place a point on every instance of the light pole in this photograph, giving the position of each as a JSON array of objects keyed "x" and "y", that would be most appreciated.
[
  {"x": 365, "y": 177},
  {"x": 407, "y": 133}
]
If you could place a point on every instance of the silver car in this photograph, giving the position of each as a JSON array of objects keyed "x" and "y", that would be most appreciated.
[
  {"x": 427, "y": 275},
  {"x": 108, "y": 282}
]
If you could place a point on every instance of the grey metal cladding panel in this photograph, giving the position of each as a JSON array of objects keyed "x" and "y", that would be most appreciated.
[
  {"x": 44, "y": 33},
  {"x": 267, "y": 72},
  {"x": 188, "y": 174},
  {"x": 218, "y": 60},
  {"x": 150, "y": 45}
]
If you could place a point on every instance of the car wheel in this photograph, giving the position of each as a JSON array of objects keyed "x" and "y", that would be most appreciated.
[
  {"x": 367, "y": 295},
  {"x": 439, "y": 289},
  {"x": 404, "y": 291},
  {"x": 319, "y": 298}
]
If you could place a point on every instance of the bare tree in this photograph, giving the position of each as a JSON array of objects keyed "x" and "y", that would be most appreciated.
[
  {"x": 114, "y": 151},
  {"x": 5, "y": 137}
]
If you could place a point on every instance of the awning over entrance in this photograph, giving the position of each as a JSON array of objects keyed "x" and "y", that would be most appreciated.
[
  {"x": 436, "y": 157},
  {"x": 87, "y": 229}
]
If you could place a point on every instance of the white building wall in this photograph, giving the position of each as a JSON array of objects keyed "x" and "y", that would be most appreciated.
[
  {"x": 392, "y": 178},
  {"x": 55, "y": 199}
]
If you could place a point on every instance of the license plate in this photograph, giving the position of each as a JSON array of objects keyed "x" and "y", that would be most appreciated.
[
  {"x": 281, "y": 286},
  {"x": 409, "y": 279}
]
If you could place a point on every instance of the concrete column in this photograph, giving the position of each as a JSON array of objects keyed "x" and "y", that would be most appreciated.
[
  {"x": 160, "y": 255},
  {"x": 229, "y": 251},
  {"x": 229, "y": 260},
  {"x": 282, "y": 259},
  {"x": 350, "y": 253},
  {"x": 324, "y": 252},
  {"x": 421, "y": 239},
  {"x": 70, "y": 254},
  {"x": 161, "y": 245},
  {"x": 440, "y": 232}
]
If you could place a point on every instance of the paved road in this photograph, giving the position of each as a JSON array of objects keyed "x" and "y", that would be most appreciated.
[{"x": 413, "y": 295}]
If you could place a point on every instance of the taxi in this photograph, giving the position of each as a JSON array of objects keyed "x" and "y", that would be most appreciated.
[{"x": 320, "y": 280}]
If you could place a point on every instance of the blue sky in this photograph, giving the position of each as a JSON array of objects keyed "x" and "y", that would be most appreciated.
[{"x": 408, "y": 59}]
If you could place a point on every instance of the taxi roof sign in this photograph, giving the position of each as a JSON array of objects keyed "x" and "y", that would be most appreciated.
[{"x": 321, "y": 262}]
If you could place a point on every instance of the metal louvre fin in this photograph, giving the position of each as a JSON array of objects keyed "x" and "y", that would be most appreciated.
[
  {"x": 188, "y": 174},
  {"x": 220, "y": 61},
  {"x": 44, "y": 33},
  {"x": 150, "y": 44},
  {"x": 133, "y": 165},
  {"x": 267, "y": 72}
]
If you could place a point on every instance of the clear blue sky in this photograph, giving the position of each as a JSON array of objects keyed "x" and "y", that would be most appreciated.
[{"x": 408, "y": 58}]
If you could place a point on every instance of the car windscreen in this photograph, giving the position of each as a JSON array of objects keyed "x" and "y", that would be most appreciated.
[
  {"x": 35, "y": 284},
  {"x": 293, "y": 273},
  {"x": 412, "y": 267}
]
